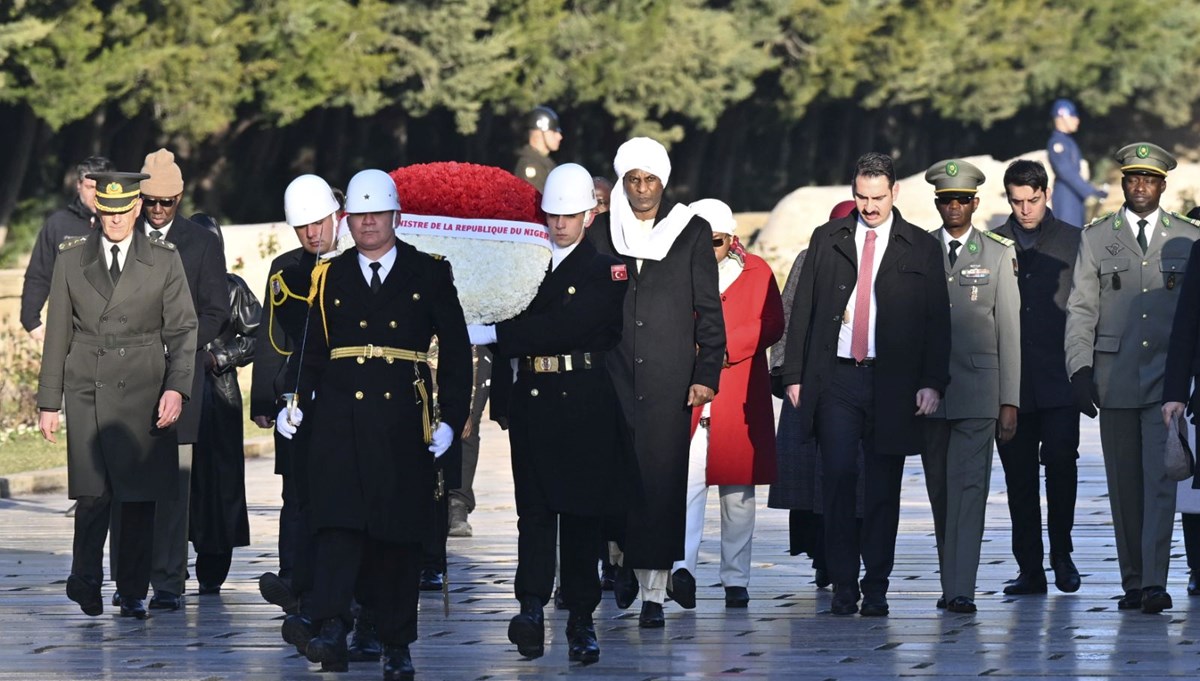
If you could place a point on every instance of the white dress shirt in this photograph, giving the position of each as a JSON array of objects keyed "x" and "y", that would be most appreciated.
[
  {"x": 962, "y": 240},
  {"x": 560, "y": 253},
  {"x": 884, "y": 233},
  {"x": 122, "y": 250},
  {"x": 387, "y": 260},
  {"x": 1151, "y": 224},
  {"x": 162, "y": 230}
]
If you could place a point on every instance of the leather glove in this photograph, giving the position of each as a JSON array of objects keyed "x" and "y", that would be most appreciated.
[
  {"x": 1084, "y": 389},
  {"x": 442, "y": 437},
  {"x": 481, "y": 334},
  {"x": 286, "y": 423}
]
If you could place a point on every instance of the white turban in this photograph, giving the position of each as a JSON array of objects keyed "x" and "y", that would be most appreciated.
[
  {"x": 643, "y": 153},
  {"x": 718, "y": 214}
]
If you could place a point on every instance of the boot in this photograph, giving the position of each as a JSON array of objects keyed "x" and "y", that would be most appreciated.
[
  {"x": 581, "y": 637},
  {"x": 397, "y": 664},
  {"x": 459, "y": 527},
  {"x": 527, "y": 629},
  {"x": 298, "y": 630},
  {"x": 364, "y": 640},
  {"x": 329, "y": 647}
]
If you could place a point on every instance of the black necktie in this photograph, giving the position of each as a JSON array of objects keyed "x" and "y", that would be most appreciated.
[
  {"x": 155, "y": 234},
  {"x": 114, "y": 267},
  {"x": 376, "y": 282},
  {"x": 954, "y": 245},
  {"x": 1142, "y": 235}
]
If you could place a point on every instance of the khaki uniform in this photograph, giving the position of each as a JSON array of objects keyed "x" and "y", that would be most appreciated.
[
  {"x": 533, "y": 166},
  {"x": 1119, "y": 319}
]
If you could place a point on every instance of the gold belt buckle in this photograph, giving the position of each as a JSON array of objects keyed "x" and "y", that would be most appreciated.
[
  {"x": 543, "y": 365},
  {"x": 373, "y": 352}
]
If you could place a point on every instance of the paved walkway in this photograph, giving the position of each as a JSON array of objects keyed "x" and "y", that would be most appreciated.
[{"x": 786, "y": 633}]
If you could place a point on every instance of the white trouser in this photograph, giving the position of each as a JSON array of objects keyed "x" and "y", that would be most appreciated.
[{"x": 737, "y": 517}]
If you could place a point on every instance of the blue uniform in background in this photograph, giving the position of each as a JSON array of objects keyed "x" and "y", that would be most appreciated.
[{"x": 1070, "y": 189}]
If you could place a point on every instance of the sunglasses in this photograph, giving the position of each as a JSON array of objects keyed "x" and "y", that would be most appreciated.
[
  {"x": 718, "y": 241},
  {"x": 150, "y": 203},
  {"x": 962, "y": 200}
]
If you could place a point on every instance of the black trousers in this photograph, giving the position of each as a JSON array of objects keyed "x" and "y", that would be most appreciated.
[
  {"x": 1191, "y": 539},
  {"x": 537, "y": 536},
  {"x": 433, "y": 548},
  {"x": 92, "y": 518},
  {"x": 384, "y": 574},
  {"x": 845, "y": 422},
  {"x": 296, "y": 545},
  {"x": 1049, "y": 437}
]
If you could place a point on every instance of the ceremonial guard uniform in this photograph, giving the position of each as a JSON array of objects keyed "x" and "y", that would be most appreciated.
[
  {"x": 114, "y": 307},
  {"x": 1071, "y": 190},
  {"x": 545, "y": 134},
  {"x": 1128, "y": 276},
  {"x": 985, "y": 379}
]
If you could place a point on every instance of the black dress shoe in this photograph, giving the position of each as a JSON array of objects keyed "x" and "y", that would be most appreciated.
[
  {"x": 941, "y": 603},
  {"x": 208, "y": 589},
  {"x": 164, "y": 600},
  {"x": 116, "y": 599},
  {"x": 86, "y": 593},
  {"x": 682, "y": 589},
  {"x": 298, "y": 630},
  {"x": 364, "y": 640},
  {"x": 821, "y": 577},
  {"x": 1027, "y": 583},
  {"x": 581, "y": 639},
  {"x": 1193, "y": 588},
  {"x": 608, "y": 576},
  {"x": 1066, "y": 575},
  {"x": 329, "y": 647},
  {"x": 961, "y": 604},
  {"x": 845, "y": 601},
  {"x": 527, "y": 629},
  {"x": 625, "y": 588},
  {"x": 1155, "y": 599},
  {"x": 398, "y": 664},
  {"x": 133, "y": 607},
  {"x": 874, "y": 606},
  {"x": 736, "y": 597},
  {"x": 431, "y": 580},
  {"x": 1132, "y": 600},
  {"x": 651, "y": 616},
  {"x": 278, "y": 591}
]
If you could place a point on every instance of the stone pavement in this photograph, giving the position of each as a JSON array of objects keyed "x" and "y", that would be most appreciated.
[{"x": 786, "y": 633}]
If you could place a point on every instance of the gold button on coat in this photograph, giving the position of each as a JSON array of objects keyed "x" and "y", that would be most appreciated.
[
  {"x": 571, "y": 290},
  {"x": 362, "y": 324},
  {"x": 387, "y": 396},
  {"x": 416, "y": 296},
  {"x": 361, "y": 360},
  {"x": 392, "y": 323},
  {"x": 337, "y": 302},
  {"x": 534, "y": 392},
  {"x": 358, "y": 395}
]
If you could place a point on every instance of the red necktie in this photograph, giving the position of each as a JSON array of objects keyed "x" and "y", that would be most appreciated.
[{"x": 862, "y": 300}]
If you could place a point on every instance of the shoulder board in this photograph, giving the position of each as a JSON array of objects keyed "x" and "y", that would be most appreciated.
[
  {"x": 162, "y": 243},
  {"x": 71, "y": 242},
  {"x": 999, "y": 239},
  {"x": 1194, "y": 223},
  {"x": 436, "y": 256},
  {"x": 1099, "y": 219}
]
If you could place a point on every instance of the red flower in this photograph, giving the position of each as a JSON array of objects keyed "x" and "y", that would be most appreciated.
[{"x": 466, "y": 190}]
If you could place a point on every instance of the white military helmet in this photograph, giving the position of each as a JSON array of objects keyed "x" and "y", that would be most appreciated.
[
  {"x": 308, "y": 199},
  {"x": 371, "y": 191},
  {"x": 717, "y": 213},
  {"x": 569, "y": 190}
]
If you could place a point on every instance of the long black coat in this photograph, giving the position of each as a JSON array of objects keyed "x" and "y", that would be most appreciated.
[
  {"x": 912, "y": 333},
  {"x": 368, "y": 465},
  {"x": 568, "y": 436},
  {"x": 673, "y": 337},
  {"x": 1183, "y": 353},
  {"x": 74, "y": 220},
  {"x": 1044, "y": 278}
]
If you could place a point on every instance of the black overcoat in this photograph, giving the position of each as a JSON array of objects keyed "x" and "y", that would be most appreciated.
[
  {"x": 568, "y": 437},
  {"x": 673, "y": 337},
  {"x": 368, "y": 466},
  {"x": 1183, "y": 352},
  {"x": 912, "y": 332}
]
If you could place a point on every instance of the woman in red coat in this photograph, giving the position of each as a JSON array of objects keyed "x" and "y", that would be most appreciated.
[{"x": 733, "y": 437}]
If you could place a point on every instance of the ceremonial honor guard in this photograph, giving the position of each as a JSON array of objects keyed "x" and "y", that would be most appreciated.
[
  {"x": 545, "y": 134},
  {"x": 365, "y": 382},
  {"x": 1128, "y": 276},
  {"x": 985, "y": 379},
  {"x": 117, "y": 299},
  {"x": 569, "y": 441},
  {"x": 1071, "y": 190}
]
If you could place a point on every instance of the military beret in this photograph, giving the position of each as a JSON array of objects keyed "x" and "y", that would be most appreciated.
[
  {"x": 1144, "y": 158},
  {"x": 954, "y": 177},
  {"x": 117, "y": 192}
]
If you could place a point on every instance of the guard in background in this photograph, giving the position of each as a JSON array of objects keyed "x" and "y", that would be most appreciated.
[
  {"x": 366, "y": 383},
  {"x": 1071, "y": 190},
  {"x": 117, "y": 300},
  {"x": 1128, "y": 275},
  {"x": 570, "y": 451},
  {"x": 985, "y": 379},
  {"x": 545, "y": 135}
]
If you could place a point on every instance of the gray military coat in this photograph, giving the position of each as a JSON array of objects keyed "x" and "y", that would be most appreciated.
[
  {"x": 104, "y": 351},
  {"x": 1122, "y": 304},
  {"x": 985, "y": 327}
]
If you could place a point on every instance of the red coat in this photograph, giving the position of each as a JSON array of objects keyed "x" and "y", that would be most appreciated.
[{"x": 741, "y": 445}]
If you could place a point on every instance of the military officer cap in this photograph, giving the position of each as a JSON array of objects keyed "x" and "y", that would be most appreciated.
[
  {"x": 117, "y": 192},
  {"x": 954, "y": 177},
  {"x": 1144, "y": 158}
]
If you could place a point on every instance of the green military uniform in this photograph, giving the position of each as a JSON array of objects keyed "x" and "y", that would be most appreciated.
[
  {"x": 1119, "y": 319},
  {"x": 533, "y": 166},
  {"x": 985, "y": 373}
]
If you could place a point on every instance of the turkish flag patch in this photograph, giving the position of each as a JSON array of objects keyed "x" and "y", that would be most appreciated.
[{"x": 619, "y": 273}]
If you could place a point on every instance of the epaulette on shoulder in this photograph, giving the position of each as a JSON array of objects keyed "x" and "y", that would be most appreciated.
[
  {"x": 163, "y": 243},
  {"x": 71, "y": 242},
  {"x": 1099, "y": 219},
  {"x": 435, "y": 256},
  {"x": 999, "y": 239},
  {"x": 1194, "y": 223}
]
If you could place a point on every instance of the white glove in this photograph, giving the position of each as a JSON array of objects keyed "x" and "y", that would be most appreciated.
[
  {"x": 481, "y": 334},
  {"x": 442, "y": 437},
  {"x": 287, "y": 423}
]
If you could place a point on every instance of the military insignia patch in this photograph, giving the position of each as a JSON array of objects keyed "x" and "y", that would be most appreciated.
[
  {"x": 952, "y": 169},
  {"x": 1143, "y": 151},
  {"x": 1016, "y": 272},
  {"x": 1114, "y": 248},
  {"x": 619, "y": 272},
  {"x": 972, "y": 247},
  {"x": 114, "y": 188},
  {"x": 975, "y": 272},
  {"x": 1058, "y": 147}
]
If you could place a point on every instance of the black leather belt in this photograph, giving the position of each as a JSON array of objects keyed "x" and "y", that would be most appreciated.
[
  {"x": 849, "y": 361},
  {"x": 557, "y": 364}
]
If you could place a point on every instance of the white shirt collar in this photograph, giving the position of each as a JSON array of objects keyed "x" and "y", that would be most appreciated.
[
  {"x": 884, "y": 230},
  {"x": 122, "y": 249},
  {"x": 386, "y": 261},
  {"x": 962, "y": 240},
  {"x": 163, "y": 230},
  {"x": 560, "y": 253},
  {"x": 1152, "y": 220}
]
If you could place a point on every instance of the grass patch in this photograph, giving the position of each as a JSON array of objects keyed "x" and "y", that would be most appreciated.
[{"x": 27, "y": 451}]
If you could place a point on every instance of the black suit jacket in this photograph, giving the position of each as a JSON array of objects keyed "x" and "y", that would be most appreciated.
[
  {"x": 1044, "y": 278},
  {"x": 912, "y": 331}
]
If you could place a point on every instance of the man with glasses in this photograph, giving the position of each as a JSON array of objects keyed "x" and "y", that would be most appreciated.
[
  {"x": 985, "y": 378},
  {"x": 1128, "y": 275}
]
